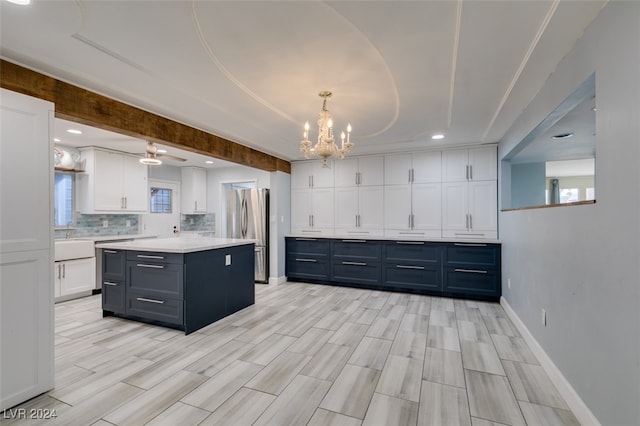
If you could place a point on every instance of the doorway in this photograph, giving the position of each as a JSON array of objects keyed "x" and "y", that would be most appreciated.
[{"x": 164, "y": 209}]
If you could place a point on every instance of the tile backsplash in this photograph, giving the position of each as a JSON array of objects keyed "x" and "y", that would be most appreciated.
[
  {"x": 198, "y": 222},
  {"x": 91, "y": 225}
]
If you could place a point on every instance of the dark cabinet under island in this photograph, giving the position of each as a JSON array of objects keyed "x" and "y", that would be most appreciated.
[{"x": 184, "y": 283}]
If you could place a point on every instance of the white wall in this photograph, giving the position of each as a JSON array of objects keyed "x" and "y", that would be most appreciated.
[{"x": 581, "y": 263}]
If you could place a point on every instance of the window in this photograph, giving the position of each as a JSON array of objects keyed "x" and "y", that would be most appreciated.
[
  {"x": 63, "y": 202},
  {"x": 160, "y": 200}
]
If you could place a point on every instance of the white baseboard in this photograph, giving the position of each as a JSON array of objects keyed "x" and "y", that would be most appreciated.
[
  {"x": 571, "y": 397},
  {"x": 274, "y": 281}
]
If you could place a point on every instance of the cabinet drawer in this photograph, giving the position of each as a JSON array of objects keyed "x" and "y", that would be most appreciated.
[
  {"x": 356, "y": 248},
  {"x": 150, "y": 256},
  {"x": 161, "y": 279},
  {"x": 113, "y": 296},
  {"x": 412, "y": 276},
  {"x": 472, "y": 282},
  {"x": 473, "y": 254},
  {"x": 412, "y": 251},
  {"x": 356, "y": 272},
  {"x": 303, "y": 266},
  {"x": 151, "y": 307},
  {"x": 114, "y": 264},
  {"x": 308, "y": 246}
]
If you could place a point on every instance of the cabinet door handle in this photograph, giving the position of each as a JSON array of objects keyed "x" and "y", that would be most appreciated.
[
  {"x": 471, "y": 271},
  {"x": 467, "y": 172},
  {"x": 109, "y": 251},
  {"x": 143, "y": 265},
  {"x": 421, "y": 243},
  {"x": 306, "y": 239},
  {"x": 354, "y": 241},
  {"x": 148, "y": 256},
  {"x": 355, "y": 263},
  {"x": 306, "y": 260},
  {"x": 312, "y": 221},
  {"x": 109, "y": 283},
  {"x": 125, "y": 202},
  {"x": 409, "y": 267},
  {"x": 470, "y": 221},
  {"x": 195, "y": 205},
  {"x": 471, "y": 172},
  {"x": 469, "y": 244},
  {"x": 59, "y": 272},
  {"x": 312, "y": 182},
  {"x": 144, "y": 299},
  {"x": 64, "y": 270}
]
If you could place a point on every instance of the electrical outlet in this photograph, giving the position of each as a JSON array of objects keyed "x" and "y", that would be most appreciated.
[
  {"x": 508, "y": 282},
  {"x": 544, "y": 317},
  {"x": 105, "y": 223}
]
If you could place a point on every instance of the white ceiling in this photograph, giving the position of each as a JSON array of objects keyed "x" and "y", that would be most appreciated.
[{"x": 250, "y": 71}]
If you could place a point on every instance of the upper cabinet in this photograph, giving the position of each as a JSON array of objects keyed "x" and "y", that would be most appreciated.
[
  {"x": 363, "y": 171},
  {"x": 113, "y": 182},
  {"x": 423, "y": 167},
  {"x": 194, "y": 190},
  {"x": 470, "y": 164},
  {"x": 311, "y": 174}
]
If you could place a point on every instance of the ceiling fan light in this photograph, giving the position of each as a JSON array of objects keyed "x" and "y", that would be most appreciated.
[{"x": 150, "y": 161}]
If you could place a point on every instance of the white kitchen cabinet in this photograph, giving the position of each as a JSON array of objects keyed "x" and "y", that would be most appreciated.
[
  {"x": 469, "y": 209},
  {"x": 413, "y": 210},
  {"x": 113, "y": 182},
  {"x": 362, "y": 171},
  {"x": 193, "y": 190},
  {"x": 423, "y": 167},
  {"x": 359, "y": 210},
  {"x": 312, "y": 211},
  {"x": 473, "y": 164},
  {"x": 26, "y": 248},
  {"x": 311, "y": 174},
  {"x": 74, "y": 276}
]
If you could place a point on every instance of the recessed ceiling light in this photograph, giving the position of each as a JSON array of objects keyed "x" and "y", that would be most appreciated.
[
  {"x": 437, "y": 136},
  {"x": 56, "y": 139},
  {"x": 74, "y": 131},
  {"x": 161, "y": 151},
  {"x": 562, "y": 136},
  {"x": 209, "y": 162}
]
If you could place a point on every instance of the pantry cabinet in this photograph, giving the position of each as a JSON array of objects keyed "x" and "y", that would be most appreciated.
[
  {"x": 473, "y": 164},
  {"x": 311, "y": 174},
  {"x": 469, "y": 209},
  {"x": 363, "y": 171},
  {"x": 194, "y": 190},
  {"x": 359, "y": 210},
  {"x": 113, "y": 182},
  {"x": 312, "y": 211}
]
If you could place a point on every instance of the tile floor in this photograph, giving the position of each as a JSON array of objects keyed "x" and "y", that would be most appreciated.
[{"x": 304, "y": 354}]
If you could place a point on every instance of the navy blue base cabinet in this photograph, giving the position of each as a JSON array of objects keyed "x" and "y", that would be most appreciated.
[
  {"x": 467, "y": 270},
  {"x": 185, "y": 291}
]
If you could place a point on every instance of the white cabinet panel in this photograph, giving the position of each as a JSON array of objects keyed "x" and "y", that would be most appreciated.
[
  {"x": 484, "y": 163},
  {"x": 193, "y": 190},
  {"x": 470, "y": 164},
  {"x": 135, "y": 187},
  {"x": 311, "y": 174},
  {"x": 427, "y": 167},
  {"x": 107, "y": 182},
  {"x": 346, "y": 208},
  {"x": 455, "y": 165},
  {"x": 483, "y": 205},
  {"x": 455, "y": 207},
  {"x": 26, "y": 247},
  {"x": 469, "y": 209},
  {"x": 312, "y": 210},
  {"x": 371, "y": 209},
  {"x": 426, "y": 208},
  {"x": 371, "y": 171},
  {"x": 346, "y": 173},
  {"x": 300, "y": 209},
  {"x": 397, "y": 207},
  {"x": 397, "y": 169},
  {"x": 75, "y": 276}
]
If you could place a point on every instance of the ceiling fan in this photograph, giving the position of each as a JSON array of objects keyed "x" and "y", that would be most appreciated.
[{"x": 151, "y": 157}]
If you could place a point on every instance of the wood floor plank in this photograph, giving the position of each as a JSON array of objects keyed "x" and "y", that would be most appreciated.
[
  {"x": 401, "y": 378},
  {"x": 530, "y": 383},
  {"x": 443, "y": 405},
  {"x": 491, "y": 398},
  {"x": 158, "y": 372},
  {"x": 415, "y": 322},
  {"x": 387, "y": 410},
  {"x": 443, "y": 338},
  {"x": 243, "y": 408},
  {"x": 371, "y": 353},
  {"x": 215, "y": 391},
  {"x": 311, "y": 341},
  {"x": 329, "y": 418},
  {"x": 443, "y": 318},
  {"x": 548, "y": 416},
  {"x": 179, "y": 414},
  {"x": 384, "y": 328},
  {"x": 349, "y": 334},
  {"x": 214, "y": 362},
  {"x": 276, "y": 376},
  {"x": 269, "y": 349},
  {"x": 513, "y": 348},
  {"x": 409, "y": 344},
  {"x": 352, "y": 391},
  {"x": 442, "y": 366},
  {"x": 328, "y": 362},
  {"x": 500, "y": 325},
  {"x": 473, "y": 331},
  {"x": 296, "y": 404},
  {"x": 481, "y": 357}
]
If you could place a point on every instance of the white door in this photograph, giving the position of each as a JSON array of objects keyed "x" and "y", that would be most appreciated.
[
  {"x": 107, "y": 183},
  {"x": 454, "y": 165},
  {"x": 345, "y": 172},
  {"x": 455, "y": 218},
  {"x": 371, "y": 171},
  {"x": 484, "y": 163},
  {"x": 26, "y": 248},
  {"x": 300, "y": 210},
  {"x": 164, "y": 209},
  {"x": 371, "y": 208},
  {"x": 397, "y": 169},
  {"x": 322, "y": 209},
  {"x": 427, "y": 167},
  {"x": 426, "y": 200},
  {"x": 483, "y": 206},
  {"x": 346, "y": 208},
  {"x": 397, "y": 206},
  {"x": 135, "y": 185}
]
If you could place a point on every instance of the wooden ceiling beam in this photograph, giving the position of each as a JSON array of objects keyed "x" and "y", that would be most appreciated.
[{"x": 83, "y": 106}]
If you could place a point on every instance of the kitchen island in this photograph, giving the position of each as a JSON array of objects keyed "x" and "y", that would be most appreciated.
[{"x": 184, "y": 283}]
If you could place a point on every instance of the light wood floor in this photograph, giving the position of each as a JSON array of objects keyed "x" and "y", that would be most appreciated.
[{"x": 302, "y": 355}]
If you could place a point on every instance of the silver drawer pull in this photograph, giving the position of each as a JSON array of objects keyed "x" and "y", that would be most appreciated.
[
  {"x": 469, "y": 244},
  {"x": 354, "y": 241},
  {"x": 142, "y": 265},
  {"x": 354, "y": 263},
  {"x": 144, "y": 299},
  {"x": 306, "y": 239},
  {"x": 148, "y": 256},
  {"x": 421, "y": 243},
  {"x": 109, "y": 283},
  {"x": 471, "y": 271},
  {"x": 109, "y": 251},
  {"x": 306, "y": 260},
  {"x": 409, "y": 267}
]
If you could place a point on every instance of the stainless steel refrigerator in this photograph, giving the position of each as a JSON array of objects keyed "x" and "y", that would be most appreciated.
[{"x": 248, "y": 218}]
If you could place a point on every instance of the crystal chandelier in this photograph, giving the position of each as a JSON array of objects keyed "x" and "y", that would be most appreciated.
[{"x": 325, "y": 148}]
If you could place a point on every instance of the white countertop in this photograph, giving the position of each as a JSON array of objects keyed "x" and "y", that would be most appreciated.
[
  {"x": 176, "y": 245},
  {"x": 398, "y": 238}
]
